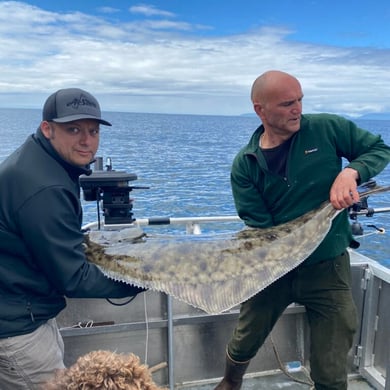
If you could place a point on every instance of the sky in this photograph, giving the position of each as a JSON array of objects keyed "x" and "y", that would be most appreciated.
[{"x": 196, "y": 56}]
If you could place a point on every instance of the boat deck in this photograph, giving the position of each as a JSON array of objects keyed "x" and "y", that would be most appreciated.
[{"x": 276, "y": 380}]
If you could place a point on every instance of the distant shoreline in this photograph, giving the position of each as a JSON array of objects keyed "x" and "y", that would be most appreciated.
[{"x": 371, "y": 116}]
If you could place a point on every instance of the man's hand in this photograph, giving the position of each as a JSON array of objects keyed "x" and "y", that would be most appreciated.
[{"x": 344, "y": 189}]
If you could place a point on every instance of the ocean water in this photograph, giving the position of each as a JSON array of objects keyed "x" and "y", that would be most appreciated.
[{"x": 185, "y": 161}]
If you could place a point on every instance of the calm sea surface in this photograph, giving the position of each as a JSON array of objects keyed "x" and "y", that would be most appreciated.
[{"x": 185, "y": 160}]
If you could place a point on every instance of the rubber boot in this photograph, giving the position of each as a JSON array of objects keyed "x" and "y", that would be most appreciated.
[{"x": 234, "y": 371}]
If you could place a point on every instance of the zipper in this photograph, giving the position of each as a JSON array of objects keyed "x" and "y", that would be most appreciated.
[{"x": 29, "y": 309}]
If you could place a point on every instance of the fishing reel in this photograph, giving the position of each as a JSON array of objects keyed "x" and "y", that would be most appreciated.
[
  {"x": 362, "y": 208},
  {"x": 354, "y": 210},
  {"x": 112, "y": 189}
]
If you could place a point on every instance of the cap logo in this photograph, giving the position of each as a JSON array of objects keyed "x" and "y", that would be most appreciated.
[{"x": 81, "y": 101}]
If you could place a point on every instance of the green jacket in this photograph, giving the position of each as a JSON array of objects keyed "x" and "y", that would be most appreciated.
[{"x": 264, "y": 199}]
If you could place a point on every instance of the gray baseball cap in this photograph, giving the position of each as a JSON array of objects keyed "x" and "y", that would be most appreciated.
[{"x": 71, "y": 104}]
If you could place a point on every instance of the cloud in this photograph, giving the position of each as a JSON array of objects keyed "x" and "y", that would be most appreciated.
[
  {"x": 108, "y": 10},
  {"x": 157, "y": 64},
  {"x": 149, "y": 10}
]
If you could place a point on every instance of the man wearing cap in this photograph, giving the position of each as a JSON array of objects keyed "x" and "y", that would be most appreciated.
[{"x": 41, "y": 244}]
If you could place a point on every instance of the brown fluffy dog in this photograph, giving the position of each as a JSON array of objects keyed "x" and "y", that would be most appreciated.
[{"x": 104, "y": 370}]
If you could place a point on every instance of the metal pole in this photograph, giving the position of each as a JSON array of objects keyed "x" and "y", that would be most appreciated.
[
  {"x": 387, "y": 383},
  {"x": 171, "y": 375}
]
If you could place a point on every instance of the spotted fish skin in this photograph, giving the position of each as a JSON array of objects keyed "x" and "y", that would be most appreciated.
[{"x": 214, "y": 273}]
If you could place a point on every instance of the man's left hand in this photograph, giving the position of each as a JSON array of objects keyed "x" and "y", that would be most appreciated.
[{"x": 343, "y": 192}]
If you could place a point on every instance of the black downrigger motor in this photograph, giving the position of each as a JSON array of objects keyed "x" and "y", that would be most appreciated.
[{"x": 113, "y": 189}]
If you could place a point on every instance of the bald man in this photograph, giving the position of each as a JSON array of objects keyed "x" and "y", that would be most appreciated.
[{"x": 293, "y": 163}]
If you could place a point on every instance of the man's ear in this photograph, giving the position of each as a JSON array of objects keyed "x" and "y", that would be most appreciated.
[
  {"x": 46, "y": 129},
  {"x": 258, "y": 108}
]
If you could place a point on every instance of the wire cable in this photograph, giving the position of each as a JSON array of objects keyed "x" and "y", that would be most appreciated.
[{"x": 309, "y": 382}]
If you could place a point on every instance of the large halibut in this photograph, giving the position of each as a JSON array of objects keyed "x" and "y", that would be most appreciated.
[{"x": 213, "y": 273}]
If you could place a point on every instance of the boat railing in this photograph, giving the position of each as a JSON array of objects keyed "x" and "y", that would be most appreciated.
[{"x": 192, "y": 224}]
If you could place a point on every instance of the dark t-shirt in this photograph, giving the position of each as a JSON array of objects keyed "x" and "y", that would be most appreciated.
[{"x": 276, "y": 158}]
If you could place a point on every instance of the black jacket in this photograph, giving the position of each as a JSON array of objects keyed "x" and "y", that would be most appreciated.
[{"x": 41, "y": 253}]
